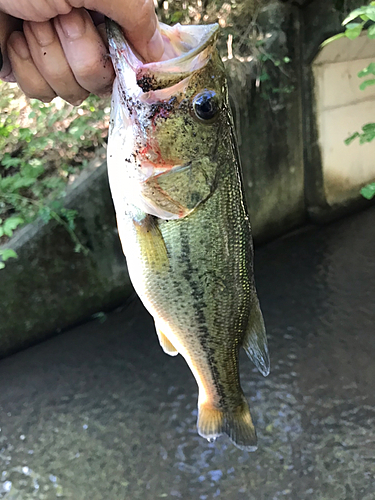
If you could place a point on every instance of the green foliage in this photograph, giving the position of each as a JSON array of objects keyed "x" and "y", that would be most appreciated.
[
  {"x": 370, "y": 70},
  {"x": 367, "y": 134},
  {"x": 355, "y": 22},
  {"x": 9, "y": 225},
  {"x": 43, "y": 148},
  {"x": 6, "y": 254},
  {"x": 368, "y": 191}
]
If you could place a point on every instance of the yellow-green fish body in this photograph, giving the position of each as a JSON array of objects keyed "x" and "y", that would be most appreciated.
[{"x": 175, "y": 179}]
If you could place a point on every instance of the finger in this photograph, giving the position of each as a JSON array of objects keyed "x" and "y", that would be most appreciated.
[
  {"x": 50, "y": 60},
  {"x": 26, "y": 73},
  {"x": 36, "y": 10},
  {"x": 85, "y": 51},
  {"x": 7, "y": 25},
  {"x": 138, "y": 20}
]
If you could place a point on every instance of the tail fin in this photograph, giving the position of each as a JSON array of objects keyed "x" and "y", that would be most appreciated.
[
  {"x": 255, "y": 341},
  {"x": 238, "y": 425}
]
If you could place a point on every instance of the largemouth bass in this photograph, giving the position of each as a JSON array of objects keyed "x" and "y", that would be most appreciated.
[{"x": 175, "y": 178}]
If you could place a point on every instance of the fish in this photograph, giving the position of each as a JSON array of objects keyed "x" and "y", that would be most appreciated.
[{"x": 176, "y": 183}]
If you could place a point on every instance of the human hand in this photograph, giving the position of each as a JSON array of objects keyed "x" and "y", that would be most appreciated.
[{"x": 61, "y": 49}]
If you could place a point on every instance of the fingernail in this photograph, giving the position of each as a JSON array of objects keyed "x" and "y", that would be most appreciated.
[
  {"x": 19, "y": 46},
  {"x": 73, "y": 25},
  {"x": 43, "y": 32},
  {"x": 155, "y": 47}
]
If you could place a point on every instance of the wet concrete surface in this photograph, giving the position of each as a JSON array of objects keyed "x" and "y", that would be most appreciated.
[{"x": 100, "y": 412}]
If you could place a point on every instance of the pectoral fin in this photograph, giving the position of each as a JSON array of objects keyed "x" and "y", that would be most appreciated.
[
  {"x": 153, "y": 249},
  {"x": 255, "y": 341},
  {"x": 165, "y": 343}
]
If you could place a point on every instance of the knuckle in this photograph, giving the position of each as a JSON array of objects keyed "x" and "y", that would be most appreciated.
[
  {"x": 40, "y": 95},
  {"x": 76, "y": 99},
  {"x": 46, "y": 100},
  {"x": 87, "y": 71},
  {"x": 35, "y": 87}
]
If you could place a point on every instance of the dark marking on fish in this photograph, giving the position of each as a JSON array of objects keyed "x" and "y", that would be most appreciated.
[{"x": 199, "y": 306}]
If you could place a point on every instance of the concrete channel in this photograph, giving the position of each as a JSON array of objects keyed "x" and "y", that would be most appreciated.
[{"x": 100, "y": 412}]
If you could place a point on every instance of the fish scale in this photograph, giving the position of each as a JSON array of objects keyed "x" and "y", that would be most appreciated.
[{"x": 183, "y": 221}]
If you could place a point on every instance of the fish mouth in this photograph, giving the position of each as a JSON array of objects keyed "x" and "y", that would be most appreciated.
[{"x": 187, "y": 49}]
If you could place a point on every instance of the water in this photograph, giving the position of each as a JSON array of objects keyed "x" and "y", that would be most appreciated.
[{"x": 101, "y": 412}]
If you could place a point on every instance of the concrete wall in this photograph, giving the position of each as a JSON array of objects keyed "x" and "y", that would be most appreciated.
[
  {"x": 268, "y": 118},
  {"x": 341, "y": 109},
  {"x": 50, "y": 286},
  {"x": 319, "y": 20}
]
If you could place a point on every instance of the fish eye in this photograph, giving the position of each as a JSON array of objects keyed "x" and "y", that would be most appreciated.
[{"x": 206, "y": 106}]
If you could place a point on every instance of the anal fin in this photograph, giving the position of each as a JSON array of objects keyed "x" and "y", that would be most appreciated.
[
  {"x": 255, "y": 341},
  {"x": 165, "y": 343}
]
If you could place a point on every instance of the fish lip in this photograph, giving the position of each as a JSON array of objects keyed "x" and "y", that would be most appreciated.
[
  {"x": 119, "y": 47},
  {"x": 208, "y": 38}
]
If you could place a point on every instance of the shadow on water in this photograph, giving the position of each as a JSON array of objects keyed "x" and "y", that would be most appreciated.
[{"x": 101, "y": 412}]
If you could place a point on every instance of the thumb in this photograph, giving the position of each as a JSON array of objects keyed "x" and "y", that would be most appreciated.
[
  {"x": 138, "y": 21},
  {"x": 7, "y": 25}
]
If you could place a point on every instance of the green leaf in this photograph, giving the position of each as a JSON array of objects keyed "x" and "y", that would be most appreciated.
[
  {"x": 70, "y": 216},
  {"x": 45, "y": 214},
  {"x": 352, "y": 26},
  {"x": 367, "y": 83},
  {"x": 370, "y": 70},
  {"x": 350, "y": 139},
  {"x": 8, "y": 161},
  {"x": 370, "y": 13},
  {"x": 368, "y": 191},
  {"x": 367, "y": 134},
  {"x": 371, "y": 32},
  {"x": 353, "y": 33},
  {"x": 264, "y": 77},
  {"x": 7, "y": 253},
  {"x": 365, "y": 10},
  {"x": 25, "y": 134},
  {"x": 369, "y": 127},
  {"x": 177, "y": 16},
  {"x": 20, "y": 182},
  {"x": 11, "y": 224}
]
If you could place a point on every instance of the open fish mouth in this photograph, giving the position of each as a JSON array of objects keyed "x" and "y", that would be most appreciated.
[{"x": 187, "y": 49}]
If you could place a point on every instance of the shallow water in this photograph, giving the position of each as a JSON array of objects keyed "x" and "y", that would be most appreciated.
[{"x": 100, "y": 412}]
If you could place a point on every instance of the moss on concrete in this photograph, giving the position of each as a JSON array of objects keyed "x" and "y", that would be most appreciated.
[{"x": 50, "y": 286}]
